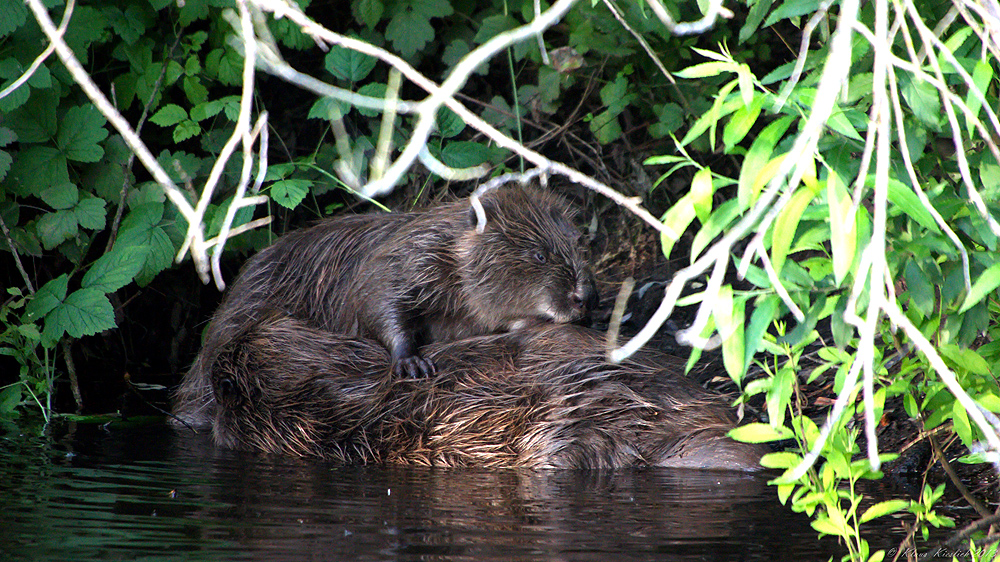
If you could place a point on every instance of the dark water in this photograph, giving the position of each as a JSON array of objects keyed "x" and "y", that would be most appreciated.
[{"x": 152, "y": 494}]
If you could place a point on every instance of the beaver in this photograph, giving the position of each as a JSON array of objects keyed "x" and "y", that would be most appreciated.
[
  {"x": 410, "y": 278},
  {"x": 541, "y": 397}
]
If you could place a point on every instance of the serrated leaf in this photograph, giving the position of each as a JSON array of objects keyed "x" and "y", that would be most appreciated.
[
  {"x": 919, "y": 287},
  {"x": 46, "y": 298},
  {"x": 195, "y": 91},
  {"x": 5, "y": 161},
  {"x": 348, "y": 64},
  {"x": 80, "y": 132},
  {"x": 36, "y": 121},
  {"x": 56, "y": 227},
  {"x": 375, "y": 90},
  {"x": 84, "y": 312},
  {"x": 987, "y": 282},
  {"x": 289, "y": 193},
  {"x": 965, "y": 358},
  {"x": 409, "y": 32},
  {"x": 329, "y": 109},
  {"x": 493, "y": 26},
  {"x": 760, "y": 433},
  {"x": 185, "y": 130},
  {"x": 115, "y": 269},
  {"x": 141, "y": 228},
  {"x": 36, "y": 169},
  {"x": 91, "y": 213},
  {"x": 169, "y": 115},
  {"x": 464, "y": 154},
  {"x": 369, "y": 12},
  {"x": 60, "y": 196},
  {"x": 432, "y": 8},
  {"x": 449, "y": 123},
  {"x": 13, "y": 14},
  {"x": 206, "y": 110}
]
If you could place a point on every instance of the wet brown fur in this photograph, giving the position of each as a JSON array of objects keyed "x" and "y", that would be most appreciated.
[
  {"x": 541, "y": 397},
  {"x": 410, "y": 278}
]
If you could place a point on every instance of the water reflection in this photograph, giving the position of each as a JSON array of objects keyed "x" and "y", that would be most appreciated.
[{"x": 152, "y": 494}]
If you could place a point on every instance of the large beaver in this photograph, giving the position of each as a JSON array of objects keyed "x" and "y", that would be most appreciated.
[
  {"x": 542, "y": 397},
  {"x": 410, "y": 278}
]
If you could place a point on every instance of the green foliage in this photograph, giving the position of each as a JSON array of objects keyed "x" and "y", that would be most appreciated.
[{"x": 814, "y": 242}]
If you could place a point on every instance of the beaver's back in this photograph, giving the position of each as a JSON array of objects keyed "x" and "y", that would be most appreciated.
[{"x": 519, "y": 399}]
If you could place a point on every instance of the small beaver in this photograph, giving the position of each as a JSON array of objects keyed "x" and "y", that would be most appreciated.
[
  {"x": 541, "y": 397},
  {"x": 406, "y": 279}
]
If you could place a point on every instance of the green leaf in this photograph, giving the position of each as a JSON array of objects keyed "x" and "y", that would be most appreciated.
[
  {"x": 85, "y": 312},
  {"x": 718, "y": 221},
  {"x": 289, "y": 193},
  {"x": 787, "y": 223},
  {"x": 449, "y": 123},
  {"x": 707, "y": 69},
  {"x": 826, "y": 527},
  {"x": 48, "y": 297},
  {"x": 375, "y": 90},
  {"x": 760, "y": 433},
  {"x": 843, "y": 226},
  {"x": 960, "y": 422},
  {"x": 780, "y": 395},
  {"x": 169, "y": 115},
  {"x": 185, "y": 130},
  {"x": 923, "y": 99},
  {"x": 758, "y": 156},
  {"x": 741, "y": 122},
  {"x": 464, "y": 154},
  {"x": 36, "y": 121},
  {"x": 701, "y": 194},
  {"x": 329, "y": 109},
  {"x": 729, "y": 316},
  {"x": 36, "y": 169},
  {"x": 115, "y": 269},
  {"x": 80, "y": 132},
  {"x": 348, "y": 64},
  {"x": 432, "y": 8},
  {"x": 90, "y": 213},
  {"x": 920, "y": 288},
  {"x": 205, "y": 110},
  {"x": 368, "y": 12},
  {"x": 493, "y": 26},
  {"x": 987, "y": 282},
  {"x": 763, "y": 314},
  {"x": 758, "y": 10},
  {"x": 61, "y": 196},
  {"x": 903, "y": 197},
  {"x": 677, "y": 219},
  {"x": 783, "y": 459},
  {"x": 141, "y": 228},
  {"x": 56, "y": 227},
  {"x": 409, "y": 32},
  {"x": 982, "y": 75},
  {"x": 965, "y": 358},
  {"x": 13, "y": 14},
  {"x": 790, "y": 9}
]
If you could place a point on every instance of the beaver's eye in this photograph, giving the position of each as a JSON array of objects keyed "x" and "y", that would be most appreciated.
[{"x": 540, "y": 256}]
